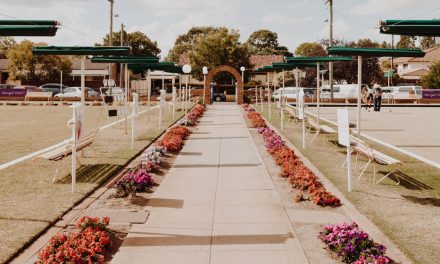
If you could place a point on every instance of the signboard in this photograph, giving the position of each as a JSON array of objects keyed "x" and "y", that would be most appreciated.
[
  {"x": 431, "y": 94},
  {"x": 388, "y": 74},
  {"x": 301, "y": 104},
  {"x": 343, "y": 127},
  {"x": 13, "y": 92}
]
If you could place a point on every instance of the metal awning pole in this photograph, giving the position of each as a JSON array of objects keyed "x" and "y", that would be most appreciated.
[
  {"x": 282, "y": 102},
  {"x": 297, "y": 90},
  {"x": 318, "y": 94},
  {"x": 126, "y": 98},
  {"x": 180, "y": 91},
  {"x": 358, "y": 124},
  {"x": 269, "y": 98},
  {"x": 83, "y": 84}
]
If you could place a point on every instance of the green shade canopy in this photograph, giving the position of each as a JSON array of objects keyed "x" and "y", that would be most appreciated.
[
  {"x": 126, "y": 59},
  {"x": 375, "y": 52},
  {"x": 162, "y": 66},
  {"x": 76, "y": 50},
  {"x": 316, "y": 59},
  {"x": 411, "y": 27},
  {"x": 38, "y": 28},
  {"x": 293, "y": 65}
]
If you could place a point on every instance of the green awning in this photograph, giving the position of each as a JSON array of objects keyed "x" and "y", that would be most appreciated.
[
  {"x": 375, "y": 52},
  {"x": 293, "y": 65},
  {"x": 126, "y": 59},
  {"x": 38, "y": 28},
  {"x": 162, "y": 66},
  {"x": 411, "y": 27},
  {"x": 317, "y": 59},
  {"x": 76, "y": 50}
]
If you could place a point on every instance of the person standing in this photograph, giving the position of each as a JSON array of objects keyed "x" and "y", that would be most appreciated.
[{"x": 377, "y": 97}]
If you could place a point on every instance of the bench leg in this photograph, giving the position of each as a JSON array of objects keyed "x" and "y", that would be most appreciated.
[
  {"x": 364, "y": 168},
  {"x": 314, "y": 137},
  {"x": 388, "y": 174}
]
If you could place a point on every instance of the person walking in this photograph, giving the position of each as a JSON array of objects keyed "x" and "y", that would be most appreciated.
[{"x": 377, "y": 97}]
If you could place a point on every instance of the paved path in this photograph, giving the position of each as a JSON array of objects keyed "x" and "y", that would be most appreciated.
[{"x": 217, "y": 204}]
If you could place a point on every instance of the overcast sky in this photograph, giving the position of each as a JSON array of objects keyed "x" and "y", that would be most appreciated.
[{"x": 295, "y": 21}]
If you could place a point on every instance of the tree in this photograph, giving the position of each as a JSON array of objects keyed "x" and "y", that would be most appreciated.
[
  {"x": 427, "y": 43},
  {"x": 309, "y": 49},
  {"x": 6, "y": 44},
  {"x": 432, "y": 79},
  {"x": 140, "y": 43},
  {"x": 25, "y": 66},
  {"x": 219, "y": 47},
  {"x": 265, "y": 42},
  {"x": 185, "y": 42},
  {"x": 406, "y": 42}
]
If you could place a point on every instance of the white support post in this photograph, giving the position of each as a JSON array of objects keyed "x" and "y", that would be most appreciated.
[
  {"x": 126, "y": 99},
  {"x": 83, "y": 84},
  {"x": 261, "y": 99},
  {"x": 358, "y": 124},
  {"x": 282, "y": 101},
  {"x": 148, "y": 87},
  {"x": 269, "y": 97},
  {"x": 180, "y": 92},
  {"x": 74, "y": 140},
  {"x": 256, "y": 97},
  {"x": 301, "y": 106},
  {"x": 297, "y": 90},
  {"x": 61, "y": 82},
  {"x": 318, "y": 95},
  {"x": 134, "y": 114},
  {"x": 186, "y": 94},
  {"x": 204, "y": 88},
  {"x": 174, "y": 95}
]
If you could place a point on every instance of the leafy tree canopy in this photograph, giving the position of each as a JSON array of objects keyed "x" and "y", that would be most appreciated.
[
  {"x": 25, "y": 66},
  {"x": 432, "y": 79},
  {"x": 427, "y": 43},
  {"x": 140, "y": 43},
  {"x": 406, "y": 42},
  {"x": 220, "y": 47},
  {"x": 6, "y": 44},
  {"x": 310, "y": 49},
  {"x": 265, "y": 42}
]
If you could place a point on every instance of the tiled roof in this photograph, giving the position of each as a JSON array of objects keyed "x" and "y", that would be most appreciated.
[
  {"x": 419, "y": 72},
  {"x": 4, "y": 64},
  {"x": 259, "y": 61},
  {"x": 432, "y": 55}
]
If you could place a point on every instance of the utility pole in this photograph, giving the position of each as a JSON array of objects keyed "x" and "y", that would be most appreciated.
[
  {"x": 122, "y": 44},
  {"x": 330, "y": 64},
  {"x": 111, "y": 39}
]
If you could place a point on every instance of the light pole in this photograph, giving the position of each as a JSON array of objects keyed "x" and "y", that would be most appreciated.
[
  {"x": 330, "y": 65},
  {"x": 186, "y": 69},
  {"x": 205, "y": 71},
  {"x": 110, "y": 42},
  {"x": 242, "y": 69}
]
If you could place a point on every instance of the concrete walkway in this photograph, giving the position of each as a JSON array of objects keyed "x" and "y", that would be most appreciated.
[{"x": 217, "y": 204}]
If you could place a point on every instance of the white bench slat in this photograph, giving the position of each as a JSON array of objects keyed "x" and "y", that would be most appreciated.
[{"x": 66, "y": 149}]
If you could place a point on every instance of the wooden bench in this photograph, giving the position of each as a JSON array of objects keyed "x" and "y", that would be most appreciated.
[
  {"x": 65, "y": 149},
  {"x": 47, "y": 95},
  {"x": 374, "y": 157}
]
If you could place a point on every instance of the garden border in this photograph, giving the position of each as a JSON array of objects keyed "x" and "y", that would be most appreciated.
[
  {"x": 110, "y": 180},
  {"x": 351, "y": 211}
]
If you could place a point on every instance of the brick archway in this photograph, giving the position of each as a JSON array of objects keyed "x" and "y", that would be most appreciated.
[{"x": 215, "y": 71}]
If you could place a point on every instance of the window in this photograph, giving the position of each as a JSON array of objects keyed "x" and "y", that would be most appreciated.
[{"x": 405, "y": 66}]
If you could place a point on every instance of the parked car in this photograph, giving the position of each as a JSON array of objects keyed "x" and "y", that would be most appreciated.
[
  {"x": 76, "y": 92},
  {"x": 405, "y": 92},
  {"x": 342, "y": 91},
  {"x": 6, "y": 86},
  {"x": 55, "y": 88},
  {"x": 29, "y": 88},
  {"x": 219, "y": 97},
  {"x": 289, "y": 92}
]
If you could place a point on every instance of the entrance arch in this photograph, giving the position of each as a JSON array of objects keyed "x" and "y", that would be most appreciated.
[{"x": 228, "y": 69}]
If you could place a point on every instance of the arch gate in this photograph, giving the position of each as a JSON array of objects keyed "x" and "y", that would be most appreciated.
[{"x": 214, "y": 72}]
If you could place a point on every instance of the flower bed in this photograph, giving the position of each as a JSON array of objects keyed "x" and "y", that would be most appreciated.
[
  {"x": 88, "y": 244},
  {"x": 173, "y": 139},
  {"x": 133, "y": 182},
  {"x": 152, "y": 158},
  {"x": 299, "y": 175},
  {"x": 353, "y": 245},
  {"x": 192, "y": 117}
]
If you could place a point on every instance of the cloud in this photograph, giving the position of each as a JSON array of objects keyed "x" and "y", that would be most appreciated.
[{"x": 390, "y": 7}]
